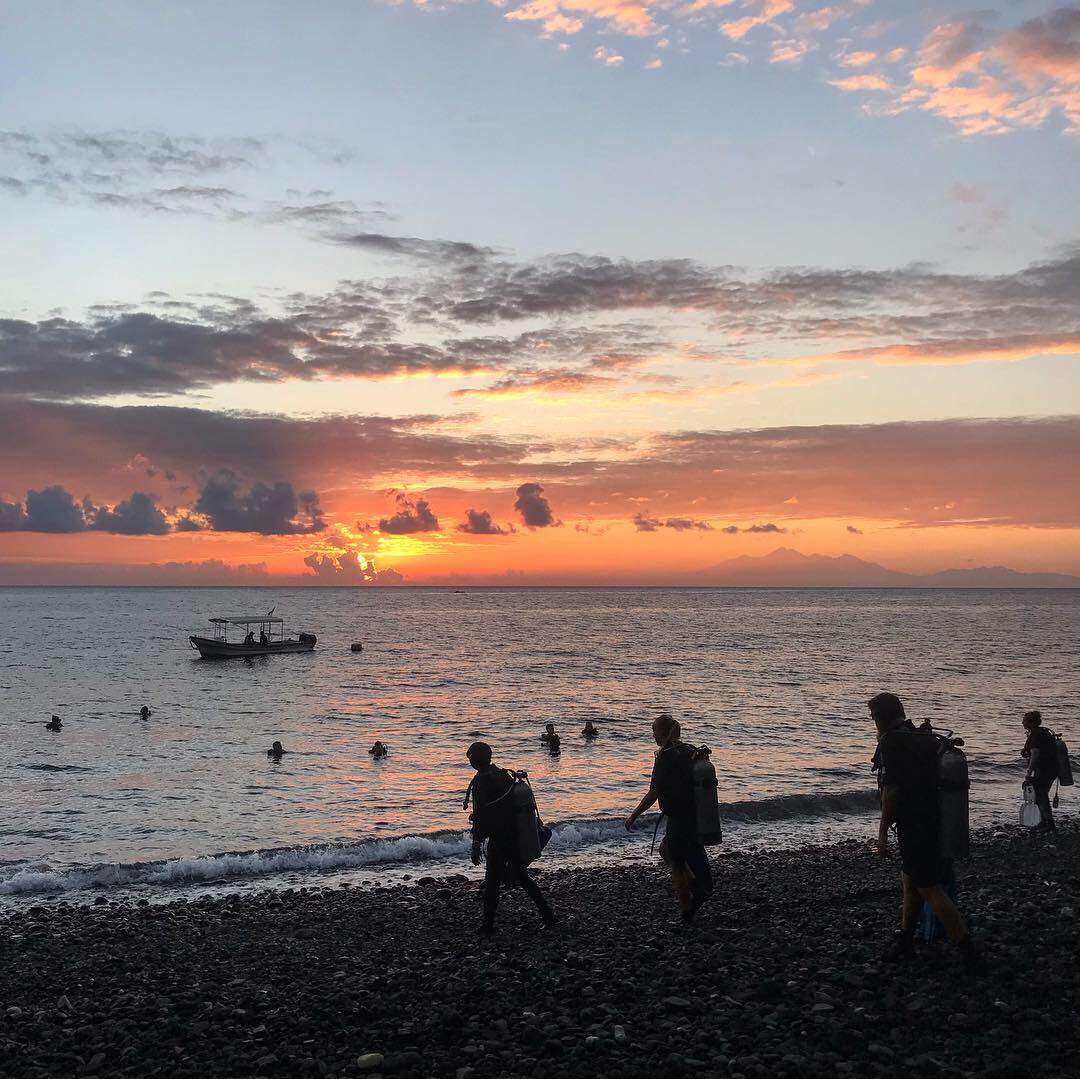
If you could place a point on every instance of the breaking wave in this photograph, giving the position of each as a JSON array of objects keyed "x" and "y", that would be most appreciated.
[{"x": 28, "y": 879}]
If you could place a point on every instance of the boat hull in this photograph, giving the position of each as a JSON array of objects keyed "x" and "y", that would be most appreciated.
[{"x": 208, "y": 648}]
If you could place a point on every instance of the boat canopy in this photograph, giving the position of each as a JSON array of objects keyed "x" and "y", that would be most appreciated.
[{"x": 248, "y": 620}]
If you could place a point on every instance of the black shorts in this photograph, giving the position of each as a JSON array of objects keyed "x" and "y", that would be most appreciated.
[
  {"x": 679, "y": 840},
  {"x": 920, "y": 854}
]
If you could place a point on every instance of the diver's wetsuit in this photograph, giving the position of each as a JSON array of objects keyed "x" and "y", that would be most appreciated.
[{"x": 494, "y": 820}]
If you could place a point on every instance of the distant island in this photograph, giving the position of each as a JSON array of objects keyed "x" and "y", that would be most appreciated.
[{"x": 786, "y": 567}]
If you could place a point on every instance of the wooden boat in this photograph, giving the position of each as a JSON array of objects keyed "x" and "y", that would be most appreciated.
[{"x": 266, "y": 644}]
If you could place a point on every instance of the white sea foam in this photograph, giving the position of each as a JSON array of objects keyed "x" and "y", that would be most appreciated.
[{"x": 27, "y": 879}]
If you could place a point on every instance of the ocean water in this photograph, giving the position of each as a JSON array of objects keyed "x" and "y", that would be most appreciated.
[{"x": 775, "y": 681}]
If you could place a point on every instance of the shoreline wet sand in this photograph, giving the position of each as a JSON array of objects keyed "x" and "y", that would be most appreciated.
[{"x": 780, "y": 976}]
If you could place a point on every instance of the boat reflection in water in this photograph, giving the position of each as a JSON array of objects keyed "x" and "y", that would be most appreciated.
[{"x": 265, "y": 644}]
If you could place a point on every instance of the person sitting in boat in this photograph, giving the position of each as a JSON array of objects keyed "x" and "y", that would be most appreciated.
[
  {"x": 276, "y": 751},
  {"x": 590, "y": 731},
  {"x": 263, "y": 639},
  {"x": 250, "y": 638},
  {"x": 379, "y": 750},
  {"x": 54, "y": 724}
]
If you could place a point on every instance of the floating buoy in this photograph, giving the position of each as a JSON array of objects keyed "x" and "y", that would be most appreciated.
[{"x": 357, "y": 646}]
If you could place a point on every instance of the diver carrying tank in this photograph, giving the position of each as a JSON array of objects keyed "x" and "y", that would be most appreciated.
[
  {"x": 953, "y": 785},
  {"x": 706, "y": 799}
]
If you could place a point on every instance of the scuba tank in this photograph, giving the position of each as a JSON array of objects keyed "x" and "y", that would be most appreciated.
[
  {"x": 1065, "y": 776},
  {"x": 706, "y": 803},
  {"x": 1030, "y": 814},
  {"x": 952, "y": 785},
  {"x": 527, "y": 818}
]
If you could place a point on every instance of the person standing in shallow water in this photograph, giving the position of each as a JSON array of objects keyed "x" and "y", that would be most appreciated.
[
  {"x": 909, "y": 800},
  {"x": 494, "y": 819},
  {"x": 1040, "y": 751},
  {"x": 672, "y": 784}
]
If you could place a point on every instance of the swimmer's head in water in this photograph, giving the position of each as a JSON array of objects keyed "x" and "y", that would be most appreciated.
[{"x": 479, "y": 754}]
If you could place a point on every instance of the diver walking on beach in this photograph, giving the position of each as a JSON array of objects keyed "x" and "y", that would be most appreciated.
[
  {"x": 495, "y": 819},
  {"x": 672, "y": 784},
  {"x": 909, "y": 799},
  {"x": 1040, "y": 751}
]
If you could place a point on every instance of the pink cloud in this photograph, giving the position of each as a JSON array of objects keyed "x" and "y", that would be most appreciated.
[{"x": 862, "y": 82}]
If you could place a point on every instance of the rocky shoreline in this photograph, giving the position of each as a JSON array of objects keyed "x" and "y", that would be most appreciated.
[{"x": 781, "y": 976}]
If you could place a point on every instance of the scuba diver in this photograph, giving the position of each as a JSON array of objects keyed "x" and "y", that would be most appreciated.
[
  {"x": 494, "y": 818},
  {"x": 672, "y": 784},
  {"x": 589, "y": 731},
  {"x": 54, "y": 724},
  {"x": 909, "y": 798},
  {"x": 276, "y": 751},
  {"x": 379, "y": 750}
]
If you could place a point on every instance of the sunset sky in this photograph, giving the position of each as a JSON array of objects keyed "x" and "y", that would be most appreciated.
[{"x": 536, "y": 291}]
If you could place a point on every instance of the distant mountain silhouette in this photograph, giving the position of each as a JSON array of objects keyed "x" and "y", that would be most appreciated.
[{"x": 786, "y": 567}]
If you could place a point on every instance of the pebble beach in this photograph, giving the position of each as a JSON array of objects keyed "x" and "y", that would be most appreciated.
[{"x": 780, "y": 976}]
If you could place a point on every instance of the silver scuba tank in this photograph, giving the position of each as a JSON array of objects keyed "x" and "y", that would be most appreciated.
[
  {"x": 953, "y": 785},
  {"x": 528, "y": 827},
  {"x": 706, "y": 802}
]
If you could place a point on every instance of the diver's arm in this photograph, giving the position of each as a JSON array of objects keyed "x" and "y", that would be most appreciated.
[
  {"x": 890, "y": 794},
  {"x": 1033, "y": 761},
  {"x": 647, "y": 802}
]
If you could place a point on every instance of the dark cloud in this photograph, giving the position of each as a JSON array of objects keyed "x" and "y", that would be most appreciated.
[
  {"x": 146, "y": 353},
  {"x": 269, "y": 509},
  {"x": 479, "y": 523},
  {"x": 644, "y": 523},
  {"x": 126, "y": 169},
  {"x": 686, "y": 524},
  {"x": 734, "y": 530},
  {"x": 534, "y": 508},
  {"x": 411, "y": 517},
  {"x": 138, "y": 515},
  {"x": 910, "y": 315},
  {"x": 349, "y": 568},
  {"x": 52, "y": 510},
  {"x": 40, "y": 441},
  {"x": 854, "y": 531},
  {"x": 55, "y": 509},
  {"x": 446, "y": 251}
]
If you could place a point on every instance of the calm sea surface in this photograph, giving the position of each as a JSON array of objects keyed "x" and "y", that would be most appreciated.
[{"x": 774, "y": 680}]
